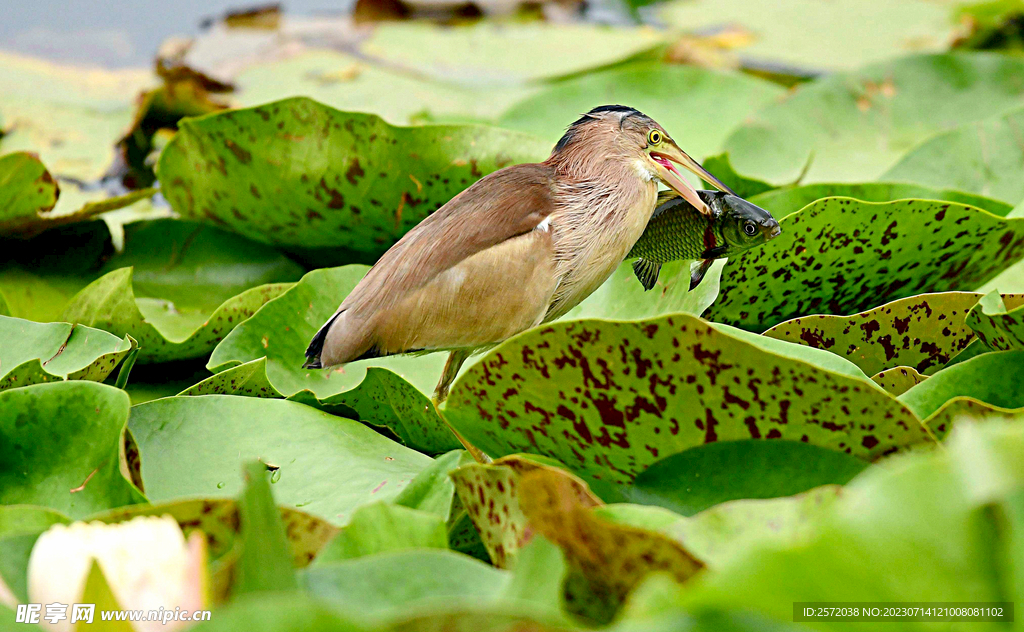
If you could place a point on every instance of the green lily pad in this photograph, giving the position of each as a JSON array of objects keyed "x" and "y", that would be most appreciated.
[
  {"x": 854, "y": 126},
  {"x": 62, "y": 447},
  {"x": 725, "y": 530},
  {"x": 782, "y": 202},
  {"x": 300, "y": 174},
  {"x": 382, "y": 586},
  {"x": 803, "y": 33},
  {"x": 935, "y": 523},
  {"x": 22, "y": 519},
  {"x": 697, "y": 106},
  {"x": 842, "y": 256},
  {"x": 34, "y": 352},
  {"x": 984, "y": 157},
  {"x": 350, "y": 83},
  {"x": 999, "y": 321},
  {"x": 898, "y": 380},
  {"x": 26, "y": 189},
  {"x": 71, "y": 116},
  {"x": 721, "y": 166},
  {"x": 382, "y": 527},
  {"x": 485, "y": 53},
  {"x": 611, "y": 398},
  {"x": 992, "y": 378},
  {"x": 264, "y": 564},
  {"x": 327, "y": 466},
  {"x": 704, "y": 476},
  {"x": 961, "y": 409},
  {"x": 277, "y": 612},
  {"x": 383, "y": 391},
  {"x": 924, "y": 332}
]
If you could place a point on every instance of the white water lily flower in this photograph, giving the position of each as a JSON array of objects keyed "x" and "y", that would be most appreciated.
[{"x": 146, "y": 562}]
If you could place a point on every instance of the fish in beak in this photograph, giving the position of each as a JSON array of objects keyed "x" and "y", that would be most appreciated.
[{"x": 668, "y": 153}]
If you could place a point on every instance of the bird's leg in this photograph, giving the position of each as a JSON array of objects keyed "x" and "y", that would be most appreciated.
[{"x": 451, "y": 369}]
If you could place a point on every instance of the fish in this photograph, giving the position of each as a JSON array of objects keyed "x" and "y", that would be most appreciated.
[{"x": 677, "y": 230}]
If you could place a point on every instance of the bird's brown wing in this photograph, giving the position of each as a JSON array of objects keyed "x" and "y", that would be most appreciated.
[{"x": 507, "y": 203}]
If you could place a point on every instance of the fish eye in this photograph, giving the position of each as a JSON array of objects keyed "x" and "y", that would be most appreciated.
[
  {"x": 749, "y": 228},
  {"x": 654, "y": 137}
]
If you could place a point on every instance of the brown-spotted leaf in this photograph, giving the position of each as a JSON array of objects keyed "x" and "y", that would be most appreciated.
[
  {"x": 923, "y": 332},
  {"x": 611, "y": 398},
  {"x": 606, "y": 560},
  {"x": 842, "y": 256},
  {"x": 300, "y": 174},
  {"x": 899, "y": 379},
  {"x": 490, "y": 495},
  {"x": 966, "y": 409},
  {"x": 999, "y": 320}
]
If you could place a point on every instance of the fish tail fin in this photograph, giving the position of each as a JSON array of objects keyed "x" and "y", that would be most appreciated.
[
  {"x": 647, "y": 272},
  {"x": 697, "y": 271}
]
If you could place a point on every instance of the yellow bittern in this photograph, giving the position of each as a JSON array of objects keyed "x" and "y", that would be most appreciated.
[{"x": 520, "y": 247}]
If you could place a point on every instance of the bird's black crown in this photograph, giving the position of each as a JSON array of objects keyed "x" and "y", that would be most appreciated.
[{"x": 570, "y": 133}]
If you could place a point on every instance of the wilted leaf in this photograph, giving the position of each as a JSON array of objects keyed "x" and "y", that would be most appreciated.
[
  {"x": 923, "y": 332},
  {"x": 697, "y": 106},
  {"x": 606, "y": 560},
  {"x": 853, "y": 126},
  {"x": 782, "y": 202},
  {"x": 610, "y": 398},
  {"x": 704, "y": 476},
  {"x": 385, "y": 391},
  {"x": 350, "y": 83},
  {"x": 34, "y": 352},
  {"x": 898, "y": 380},
  {"x": 218, "y": 519},
  {"x": 841, "y": 256},
  {"x": 992, "y": 378},
  {"x": 726, "y": 530},
  {"x": 999, "y": 321},
  {"x": 71, "y": 116},
  {"x": 381, "y": 528},
  {"x": 490, "y": 494},
  {"x": 486, "y": 53},
  {"x": 985, "y": 157},
  {"x": 327, "y": 465},
  {"x": 297, "y": 173},
  {"x": 833, "y": 35},
  {"x": 61, "y": 447}
]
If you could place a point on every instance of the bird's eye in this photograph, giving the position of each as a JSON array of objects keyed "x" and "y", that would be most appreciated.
[
  {"x": 654, "y": 137},
  {"x": 749, "y": 228}
]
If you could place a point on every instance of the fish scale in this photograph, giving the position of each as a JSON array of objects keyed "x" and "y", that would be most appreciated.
[{"x": 678, "y": 232}]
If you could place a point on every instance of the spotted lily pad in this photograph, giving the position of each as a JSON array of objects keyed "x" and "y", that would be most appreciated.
[
  {"x": 841, "y": 256},
  {"x": 786, "y": 200},
  {"x": 34, "y": 352},
  {"x": 999, "y": 321},
  {"x": 853, "y": 126},
  {"x": 490, "y": 494},
  {"x": 984, "y": 157},
  {"x": 384, "y": 391},
  {"x": 899, "y": 379},
  {"x": 697, "y": 106},
  {"x": 923, "y": 332},
  {"x": 610, "y": 398},
  {"x": 303, "y": 175}
]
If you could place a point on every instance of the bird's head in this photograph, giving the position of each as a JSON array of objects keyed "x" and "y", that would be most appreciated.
[{"x": 621, "y": 132}]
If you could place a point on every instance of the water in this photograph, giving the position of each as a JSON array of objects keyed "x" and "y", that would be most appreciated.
[{"x": 117, "y": 33}]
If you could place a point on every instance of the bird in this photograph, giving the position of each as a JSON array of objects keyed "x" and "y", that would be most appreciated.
[{"x": 518, "y": 248}]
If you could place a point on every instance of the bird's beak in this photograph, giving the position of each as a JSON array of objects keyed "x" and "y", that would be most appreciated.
[{"x": 668, "y": 153}]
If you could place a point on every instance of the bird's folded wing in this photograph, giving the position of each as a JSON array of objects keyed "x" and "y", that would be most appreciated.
[{"x": 502, "y": 205}]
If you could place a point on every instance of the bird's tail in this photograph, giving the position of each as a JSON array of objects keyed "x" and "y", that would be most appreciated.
[{"x": 316, "y": 345}]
